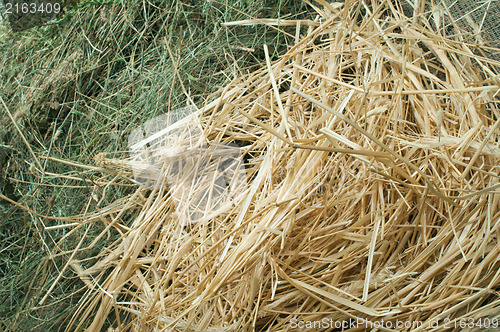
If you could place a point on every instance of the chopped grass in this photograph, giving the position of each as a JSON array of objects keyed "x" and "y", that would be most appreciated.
[{"x": 79, "y": 85}]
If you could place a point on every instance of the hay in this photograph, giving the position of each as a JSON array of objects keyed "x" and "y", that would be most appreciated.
[{"x": 373, "y": 194}]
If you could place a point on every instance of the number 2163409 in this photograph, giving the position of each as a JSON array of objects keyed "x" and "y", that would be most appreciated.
[
  {"x": 482, "y": 323},
  {"x": 32, "y": 8}
]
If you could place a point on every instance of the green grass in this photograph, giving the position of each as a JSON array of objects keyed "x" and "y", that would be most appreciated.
[{"x": 77, "y": 87}]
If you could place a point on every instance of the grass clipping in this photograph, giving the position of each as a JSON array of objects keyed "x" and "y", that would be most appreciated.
[{"x": 373, "y": 194}]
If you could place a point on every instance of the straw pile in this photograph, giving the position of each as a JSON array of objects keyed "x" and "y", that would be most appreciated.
[{"x": 373, "y": 194}]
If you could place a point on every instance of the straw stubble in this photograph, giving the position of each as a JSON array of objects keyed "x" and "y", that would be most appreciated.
[{"x": 373, "y": 192}]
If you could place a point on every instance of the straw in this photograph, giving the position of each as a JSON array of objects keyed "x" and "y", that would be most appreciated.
[{"x": 372, "y": 170}]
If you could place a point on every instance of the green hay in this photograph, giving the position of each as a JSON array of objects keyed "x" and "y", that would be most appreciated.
[{"x": 78, "y": 86}]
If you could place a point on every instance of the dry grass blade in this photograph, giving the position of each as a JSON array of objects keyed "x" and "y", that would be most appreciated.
[{"x": 371, "y": 192}]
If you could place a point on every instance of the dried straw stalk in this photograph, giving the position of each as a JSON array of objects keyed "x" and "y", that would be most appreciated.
[{"x": 373, "y": 193}]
